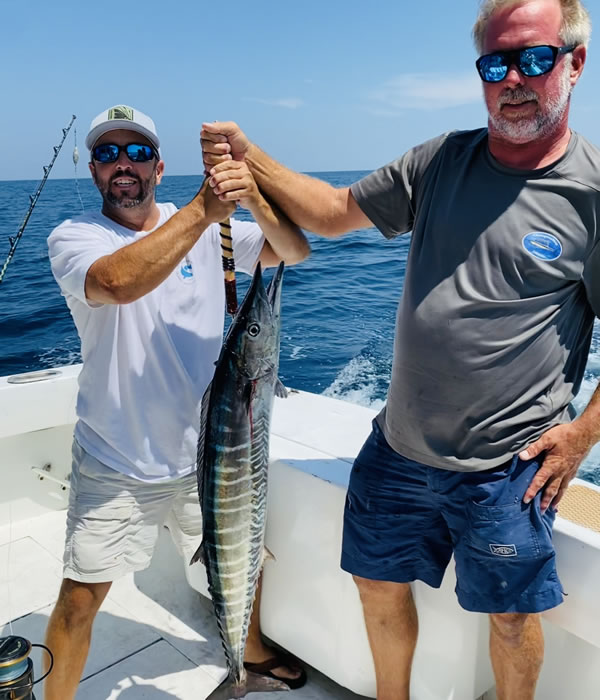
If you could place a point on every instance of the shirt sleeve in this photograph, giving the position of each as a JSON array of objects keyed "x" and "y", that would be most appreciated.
[
  {"x": 73, "y": 247},
  {"x": 388, "y": 196},
  {"x": 248, "y": 241}
]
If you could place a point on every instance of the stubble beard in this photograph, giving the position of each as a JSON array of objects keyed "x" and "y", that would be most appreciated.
[
  {"x": 124, "y": 201},
  {"x": 541, "y": 123}
]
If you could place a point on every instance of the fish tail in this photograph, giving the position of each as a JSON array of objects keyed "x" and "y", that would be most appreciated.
[
  {"x": 256, "y": 683},
  {"x": 252, "y": 683},
  {"x": 199, "y": 555}
]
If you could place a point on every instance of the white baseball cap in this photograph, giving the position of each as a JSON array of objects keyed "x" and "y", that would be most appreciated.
[{"x": 122, "y": 117}]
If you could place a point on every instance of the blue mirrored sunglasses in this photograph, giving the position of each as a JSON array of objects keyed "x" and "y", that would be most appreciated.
[
  {"x": 531, "y": 62},
  {"x": 136, "y": 152}
]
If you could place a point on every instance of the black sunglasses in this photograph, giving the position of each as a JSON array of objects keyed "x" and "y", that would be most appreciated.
[
  {"x": 136, "y": 152},
  {"x": 531, "y": 61}
]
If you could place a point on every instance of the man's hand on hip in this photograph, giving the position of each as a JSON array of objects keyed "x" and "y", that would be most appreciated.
[{"x": 565, "y": 447}]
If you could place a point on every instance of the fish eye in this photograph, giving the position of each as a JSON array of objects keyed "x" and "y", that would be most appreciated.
[{"x": 253, "y": 330}]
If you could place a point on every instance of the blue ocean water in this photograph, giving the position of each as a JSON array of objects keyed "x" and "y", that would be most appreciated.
[{"x": 338, "y": 306}]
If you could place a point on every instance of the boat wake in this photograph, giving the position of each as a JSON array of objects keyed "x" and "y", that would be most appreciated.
[{"x": 364, "y": 380}]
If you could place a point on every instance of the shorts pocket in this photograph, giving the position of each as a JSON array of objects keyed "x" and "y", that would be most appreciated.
[
  {"x": 506, "y": 560},
  {"x": 372, "y": 494},
  {"x": 511, "y": 532},
  {"x": 91, "y": 468},
  {"x": 98, "y": 536}
]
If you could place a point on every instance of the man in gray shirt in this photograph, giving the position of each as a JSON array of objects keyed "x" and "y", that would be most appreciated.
[{"x": 477, "y": 442}]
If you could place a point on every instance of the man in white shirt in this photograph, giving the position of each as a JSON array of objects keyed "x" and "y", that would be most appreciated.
[{"x": 144, "y": 284}]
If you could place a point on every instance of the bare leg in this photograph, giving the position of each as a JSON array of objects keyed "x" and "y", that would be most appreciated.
[
  {"x": 256, "y": 650},
  {"x": 392, "y": 628},
  {"x": 517, "y": 651},
  {"x": 68, "y": 635}
]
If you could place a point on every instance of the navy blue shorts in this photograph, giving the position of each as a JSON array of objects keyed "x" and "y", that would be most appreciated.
[{"x": 403, "y": 521}]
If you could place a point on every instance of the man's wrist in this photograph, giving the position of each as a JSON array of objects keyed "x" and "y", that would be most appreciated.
[
  {"x": 250, "y": 149},
  {"x": 590, "y": 427},
  {"x": 253, "y": 155},
  {"x": 258, "y": 207},
  {"x": 195, "y": 214}
]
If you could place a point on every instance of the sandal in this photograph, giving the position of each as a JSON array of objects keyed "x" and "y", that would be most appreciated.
[{"x": 265, "y": 668}]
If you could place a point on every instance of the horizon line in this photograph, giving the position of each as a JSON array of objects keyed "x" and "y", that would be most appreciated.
[{"x": 88, "y": 177}]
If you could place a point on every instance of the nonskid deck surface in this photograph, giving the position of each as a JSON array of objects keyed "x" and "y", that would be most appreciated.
[
  {"x": 154, "y": 637},
  {"x": 581, "y": 505}
]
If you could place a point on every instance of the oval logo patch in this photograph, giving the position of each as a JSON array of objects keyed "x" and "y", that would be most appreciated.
[{"x": 543, "y": 246}]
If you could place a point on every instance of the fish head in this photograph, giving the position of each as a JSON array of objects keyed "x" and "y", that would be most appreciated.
[{"x": 253, "y": 338}]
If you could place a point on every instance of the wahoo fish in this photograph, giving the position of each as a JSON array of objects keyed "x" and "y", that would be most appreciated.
[{"x": 233, "y": 455}]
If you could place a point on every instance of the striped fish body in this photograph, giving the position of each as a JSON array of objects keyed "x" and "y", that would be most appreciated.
[{"x": 233, "y": 453}]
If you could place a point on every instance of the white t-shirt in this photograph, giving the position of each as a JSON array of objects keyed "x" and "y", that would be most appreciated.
[{"x": 146, "y": 364}]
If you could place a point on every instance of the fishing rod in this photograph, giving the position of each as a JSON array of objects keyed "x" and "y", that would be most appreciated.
[
  {"x": 33, "y": 198},
  {"x": 228, "y": 266}
]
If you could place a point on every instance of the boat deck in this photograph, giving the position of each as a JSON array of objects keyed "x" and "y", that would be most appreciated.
[
  {"x": 154, "y": 637},
  {"x": 581, "y": 506}
]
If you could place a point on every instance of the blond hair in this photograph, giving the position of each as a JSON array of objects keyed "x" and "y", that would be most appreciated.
[{"x": 576, "y": 26}]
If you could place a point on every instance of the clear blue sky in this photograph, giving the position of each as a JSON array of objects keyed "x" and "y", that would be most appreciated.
[{"x": 319, "y": 84}]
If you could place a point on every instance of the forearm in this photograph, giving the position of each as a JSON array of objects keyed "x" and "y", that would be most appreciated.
[
  {"x": 589, "y": 420},
  {"x": 136, "y": 269},
  {"x": 285, "y": 238},
  {"x": 311, "y": 203}
]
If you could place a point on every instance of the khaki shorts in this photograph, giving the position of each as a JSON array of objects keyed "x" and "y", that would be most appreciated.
[{"x": 113, "y": 521}]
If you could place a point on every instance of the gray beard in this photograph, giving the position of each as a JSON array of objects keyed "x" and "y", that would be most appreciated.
[{"x": 538, "y": 126}]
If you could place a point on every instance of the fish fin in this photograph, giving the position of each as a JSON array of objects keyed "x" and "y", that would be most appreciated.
[
  {"x": 268, "y": 554},
  {"x": 199, "y": 555},
  {"x": 248, "y": 394},
  {"x": 228, "y": 689},
  {"x": 252, "y": 683},
  {"x": 280, "y": 390},
  {"x": 201, "y": 441},
  {"x": 257, "y": 683}
]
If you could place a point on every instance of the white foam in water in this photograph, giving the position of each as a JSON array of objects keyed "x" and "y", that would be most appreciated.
[
  {"x": 297, "y": 353},
  {"x": 588, "y": 386},
  {"x": 357, "y": 383},
  {"x": 59, "y": 356},
  {"x": 593, "y": 364}
]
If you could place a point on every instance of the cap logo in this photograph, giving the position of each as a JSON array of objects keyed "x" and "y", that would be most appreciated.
[{"x": 120, "y": 112}]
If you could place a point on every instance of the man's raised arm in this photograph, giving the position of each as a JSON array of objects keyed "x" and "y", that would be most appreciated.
[
  {"x": 310, "y": 203},
  {"x": 136, "y": 269}
]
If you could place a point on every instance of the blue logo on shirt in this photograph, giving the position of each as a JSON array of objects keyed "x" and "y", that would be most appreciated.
[
  {"x": 185, "y": 271},
  {"x": 543, "y": 246}
]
